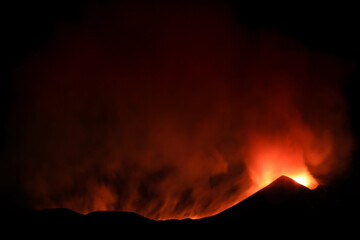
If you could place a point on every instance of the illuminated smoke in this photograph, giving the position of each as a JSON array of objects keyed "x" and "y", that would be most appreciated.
[{"x": 173, "y": 111}]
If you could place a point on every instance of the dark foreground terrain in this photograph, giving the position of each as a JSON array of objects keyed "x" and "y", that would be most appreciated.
[{"x": 281, "y": 208}]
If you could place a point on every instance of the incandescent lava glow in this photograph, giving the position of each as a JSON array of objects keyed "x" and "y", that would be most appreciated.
[
  {"x": 307, "y": 180},
  {"x": 271, "y": 157}
]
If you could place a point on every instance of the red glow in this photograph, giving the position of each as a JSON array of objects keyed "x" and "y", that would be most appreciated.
[{"x": 174, "y": 112}]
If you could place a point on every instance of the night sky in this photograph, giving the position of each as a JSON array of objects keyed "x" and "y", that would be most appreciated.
[{"x": 138, "y": 106}]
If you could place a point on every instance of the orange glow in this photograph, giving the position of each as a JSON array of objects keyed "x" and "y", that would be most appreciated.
[
  {"x": 307, "y": 180},
  {"x": 271, "y": 157}
]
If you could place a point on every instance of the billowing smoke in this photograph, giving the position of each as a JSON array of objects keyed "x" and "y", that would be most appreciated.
[{"x": 172, "y": 111}]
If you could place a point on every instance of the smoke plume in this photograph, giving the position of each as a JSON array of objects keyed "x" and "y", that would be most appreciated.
[{"x": 172, "y": 111}]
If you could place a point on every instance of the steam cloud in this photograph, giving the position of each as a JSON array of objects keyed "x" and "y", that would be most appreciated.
[{"x": 171, "y": 110}]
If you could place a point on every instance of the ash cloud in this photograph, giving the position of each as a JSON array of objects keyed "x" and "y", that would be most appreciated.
[{"x": 162, "y": 110}]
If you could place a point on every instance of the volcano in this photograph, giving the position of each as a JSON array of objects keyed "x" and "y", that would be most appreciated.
[
  {"x": 283, "y": 204},
  {"x": 281, "y": 199}
]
